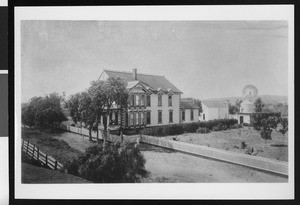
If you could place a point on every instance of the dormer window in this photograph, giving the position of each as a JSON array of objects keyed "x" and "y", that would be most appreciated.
[
  {"x": 160, "y": 100},
  {"x": 137, "y": 100},
  {"x": 148, "y": 100},
  {"x": 170, "y": 100}
]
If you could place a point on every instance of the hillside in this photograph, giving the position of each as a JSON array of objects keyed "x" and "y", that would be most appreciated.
[{"x": 267, "y": 99}]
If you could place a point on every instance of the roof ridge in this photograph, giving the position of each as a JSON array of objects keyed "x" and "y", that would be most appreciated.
[{"x": 137, "y": 73}]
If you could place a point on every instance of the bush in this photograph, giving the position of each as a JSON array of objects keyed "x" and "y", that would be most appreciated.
[
  {"x": 203, "y": 130},
  {"x": 191, "y": 127},
  {"x": 246, "y": 124},
  {"x": 217, "y": 127},
  {"x": 175, "y": 129},
  {"x": 236, "y": 126},
  {"x": 117, "y": 163}
]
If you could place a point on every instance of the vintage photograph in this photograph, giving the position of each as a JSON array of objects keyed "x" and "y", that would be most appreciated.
[{"x": 154, "y": 101}]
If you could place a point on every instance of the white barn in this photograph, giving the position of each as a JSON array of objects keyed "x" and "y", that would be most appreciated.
[{"x": 214, "y": 110}]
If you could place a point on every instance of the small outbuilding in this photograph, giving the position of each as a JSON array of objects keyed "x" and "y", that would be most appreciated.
[
  {"x": 214, "y": 110},
  {"x": 189, "y": 111}
]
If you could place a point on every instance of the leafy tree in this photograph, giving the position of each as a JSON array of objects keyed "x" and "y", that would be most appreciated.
[
  {"x": 87, "y": 112},
  {"x": 258, "y": 105},
  {"x": 73, "y": 104},
  {"x": 233, "y": 109},
  {"x": 114, "y": 92},
  {"x": 284, "y": 126},
  {"x": 98, "y": 98},
  {"x": 43, "y": 112},
  {"x": 199, "y": 104},
  {"x": 28, "y": 115},
  {"x": 117, "y": 163},
  {"x": 265, "y": 123}
]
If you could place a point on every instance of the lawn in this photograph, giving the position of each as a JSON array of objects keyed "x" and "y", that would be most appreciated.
[
  {"x": 48, "y": 144},
  {"x": 231, "y": 140},
  {"x": 37, "y": 175}
]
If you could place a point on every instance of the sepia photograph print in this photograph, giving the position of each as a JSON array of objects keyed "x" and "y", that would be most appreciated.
[{"x": 152, "y": 101}]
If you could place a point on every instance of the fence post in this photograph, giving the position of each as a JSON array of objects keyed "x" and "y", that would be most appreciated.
[
  {"x": 33, "y": 152},
  {"x": 27, "y": 146},
  {"x": 22, "y": 144},
  {"x": 46, "y": 159},
  {"x": 38, "y": 153},
  {"x": 55, "y": 165}
]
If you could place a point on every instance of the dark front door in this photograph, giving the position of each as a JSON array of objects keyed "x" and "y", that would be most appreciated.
[{"x": 241, "y": 119}]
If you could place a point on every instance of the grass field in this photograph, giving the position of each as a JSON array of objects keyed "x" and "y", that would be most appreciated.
[
  {"x": 231, "y": 140},
  {"x": 46, "y": 141},
  {"x": 38, "y": 175}
]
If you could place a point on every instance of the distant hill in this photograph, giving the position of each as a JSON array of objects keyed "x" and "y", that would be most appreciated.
[{"x": 267, "y": 99}]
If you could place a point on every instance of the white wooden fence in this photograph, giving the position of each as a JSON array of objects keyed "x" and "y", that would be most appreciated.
[{"x": 35, "y": 153}]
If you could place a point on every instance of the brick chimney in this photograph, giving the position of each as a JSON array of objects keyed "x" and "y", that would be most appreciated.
[{"x": 134, "y": 73}]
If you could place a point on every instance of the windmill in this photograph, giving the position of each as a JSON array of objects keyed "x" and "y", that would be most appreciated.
[{"x": 249, "y": 92}]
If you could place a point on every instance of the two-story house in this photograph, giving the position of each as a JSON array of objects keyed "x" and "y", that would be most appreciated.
[{"x": 153, "y": 100}]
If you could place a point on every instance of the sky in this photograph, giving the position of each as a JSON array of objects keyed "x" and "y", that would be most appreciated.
[{"x": 203, "y": 59}]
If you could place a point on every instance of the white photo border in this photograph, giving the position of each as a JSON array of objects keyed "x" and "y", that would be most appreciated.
[{"x": 155, "y": 191}]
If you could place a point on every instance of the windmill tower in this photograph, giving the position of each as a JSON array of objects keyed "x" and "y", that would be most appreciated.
[{"x": 249, "y": 93}]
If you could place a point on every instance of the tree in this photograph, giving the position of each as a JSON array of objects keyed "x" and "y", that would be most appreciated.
[
  {"x": 43, "y": 112},
  {"x": 117, "y": 163},
  {"x": 258, "y": 105},
  {"x": 265, "y": 123},
  {"x": 87, "y": 112},
  {"x": 114, "y": 92},
  {"x": 98, "y": 98},
  {"x": 199, "y": 104},
  {"x": 233, "y": 109},
  {"x": 284, "y": 126},
  {"x": 73, "y": 104}
]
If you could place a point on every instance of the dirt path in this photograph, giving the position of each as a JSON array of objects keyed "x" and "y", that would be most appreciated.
[{"x": 169, "y": 166}]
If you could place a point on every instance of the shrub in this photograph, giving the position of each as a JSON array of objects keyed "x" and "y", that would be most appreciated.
[
  {"x": 236, "y": 126},
  {"x": 203, "y": 130},
  {"x": 117, "y": 163},
  {"x": 191, "y": 127},
  {"x": 246, "y": 124},
  {"x": 175, "y": 129},
  {"x": 217, "y": 127}
]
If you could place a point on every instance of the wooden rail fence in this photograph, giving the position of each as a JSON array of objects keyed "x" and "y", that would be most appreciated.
[{"x": 35, "y": 153}]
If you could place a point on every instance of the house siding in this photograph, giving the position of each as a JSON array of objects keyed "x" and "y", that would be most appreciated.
[{"x": 214, "y": 113}]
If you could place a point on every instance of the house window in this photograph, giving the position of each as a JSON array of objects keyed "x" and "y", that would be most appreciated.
[
  {"x": 116, "y": 118},
  {"x": 132, "y": 100},
  {"x": 142, "y": 100},
  {"x": 203, "y": 116},
  {"x": 126, "y": 119},
  {"x": 171, "y": 116},
  {"x": 148, "y": 100},
  {"x": 192, "y": 115},
  {"x": 183, "y": 115},
  {"x": 170, "y": 100},
  {"x": 148, "y": 118},
  {"x": 159, "y": 117},
  {"x": 137, "y": 118},
  {"x": 142, "y": 118},
  {"x": 137, "y": 99},
  {"x": 131, "y": 118},
  {"x": 159, "y": 100}
]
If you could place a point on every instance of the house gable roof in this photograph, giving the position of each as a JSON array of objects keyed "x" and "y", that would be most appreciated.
[
  {"x": 215, "y": 104},
  {"x": 154, "y": 81},
  {"x": 185, "y": 104}
]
